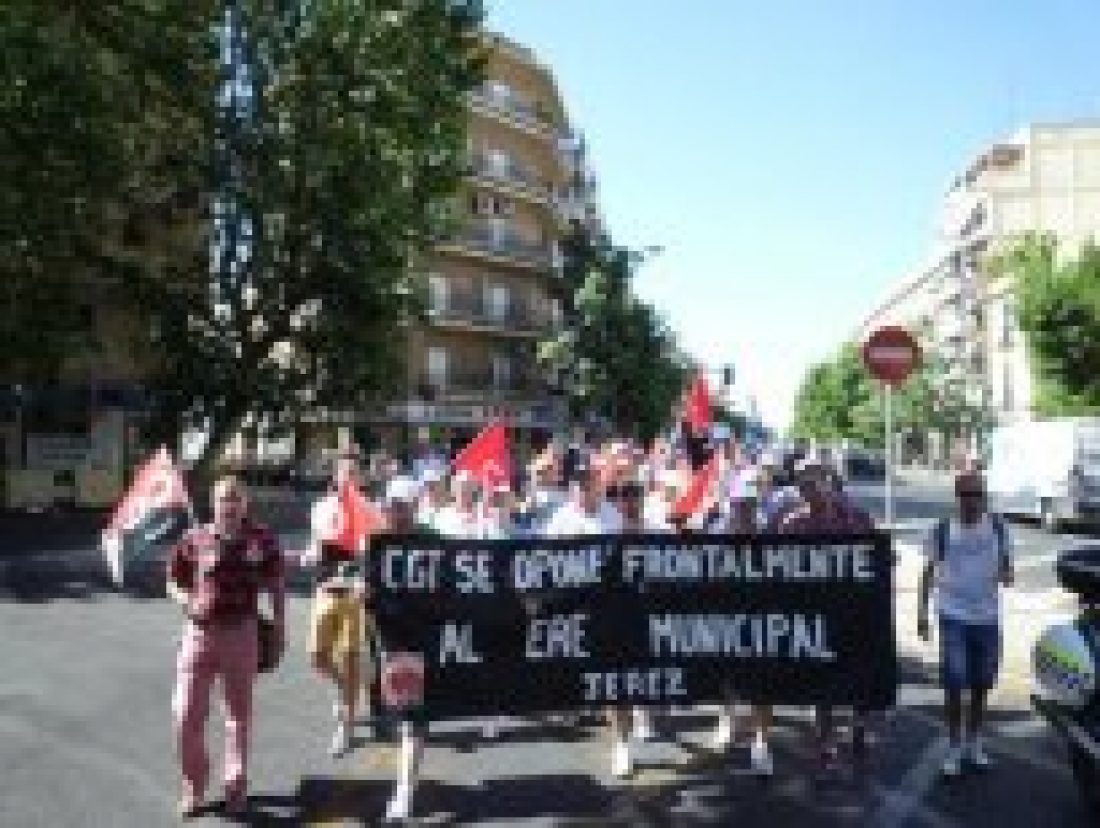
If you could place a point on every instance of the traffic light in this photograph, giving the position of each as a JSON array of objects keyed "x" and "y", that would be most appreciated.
[{"x": 727, "y": 375}]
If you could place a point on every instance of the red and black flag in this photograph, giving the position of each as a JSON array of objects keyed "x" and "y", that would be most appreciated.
[{"x": 153, "y": 513}]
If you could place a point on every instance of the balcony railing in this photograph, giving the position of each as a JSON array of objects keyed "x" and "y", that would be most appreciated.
[
  {"x": 514, "y": 107},
  {"x": 511, "y": 173},
  {"x": 477, "y": 383},
  {"x": 507, "y": 245},
  {"x": 475, "y": 311}
]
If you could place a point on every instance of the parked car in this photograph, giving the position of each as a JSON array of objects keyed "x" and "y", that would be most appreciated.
[{"x": 1066, "y": 669}]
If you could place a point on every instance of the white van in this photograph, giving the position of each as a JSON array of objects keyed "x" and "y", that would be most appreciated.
[{"x": 1046, "y": 469}]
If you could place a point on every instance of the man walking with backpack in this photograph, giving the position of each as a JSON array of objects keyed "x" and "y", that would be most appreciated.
[{"x": 968, "y": 560}]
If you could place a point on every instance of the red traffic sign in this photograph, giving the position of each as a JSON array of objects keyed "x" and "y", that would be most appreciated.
[{"x": 891, "y": 355}]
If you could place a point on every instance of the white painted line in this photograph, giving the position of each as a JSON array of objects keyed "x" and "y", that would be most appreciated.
[{"x": 905, "y": 800}]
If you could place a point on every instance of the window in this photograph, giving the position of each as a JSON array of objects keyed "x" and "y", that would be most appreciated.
[
  {"x": 437, "y": 367},
  {"x": 502, "y": 371},
  {"x": 1008, "y": 325},
  {"x": 499, "y": 162},
  {"x": 498, "y": 89},
  {"x": 438, "y": 290},
  {"x": 499, "y": 300}
]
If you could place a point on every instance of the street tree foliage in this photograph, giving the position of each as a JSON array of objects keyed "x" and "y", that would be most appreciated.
[
  {"x": 339, "y": 170},
  {"x": 106, "y": 110},
  {"x": 264, "y": 224},
  {"x": 839, "y": 400},
  {"x": 616, "y": 360},
  {"x": 1058, "y": 306}
]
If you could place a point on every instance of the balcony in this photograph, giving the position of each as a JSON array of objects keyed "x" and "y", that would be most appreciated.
[
  {"x": 513, "y": 110},
  {"x": 508, "y": 246},
  {"x": 511, "y": 174},
  {"x": 481, "y": 384},
  {"x": 545, "y": 414},
  {"x": 474, "y": 312}
]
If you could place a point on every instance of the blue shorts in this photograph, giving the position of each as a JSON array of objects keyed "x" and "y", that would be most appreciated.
[{"x": 970, "y": 655}]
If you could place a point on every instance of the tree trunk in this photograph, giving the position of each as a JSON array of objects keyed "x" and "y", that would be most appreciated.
[{"x": 205, "y": 471}]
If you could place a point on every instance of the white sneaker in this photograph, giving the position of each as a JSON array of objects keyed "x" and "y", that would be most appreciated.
[
  {"x": 643, "y": 725},
  {"x": 400, "y": 805},
  {"x": 976, "y": 755},
  {"x": 760, "y": 757},
  {"x": 952, "y": 762},
  {"x": 722, "y": 737},
  {"x": 341, "y": 741},
  {"x": 621, "y": 764}
]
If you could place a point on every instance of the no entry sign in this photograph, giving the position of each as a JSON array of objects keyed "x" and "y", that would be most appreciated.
[{"x": 891, "y": 355}]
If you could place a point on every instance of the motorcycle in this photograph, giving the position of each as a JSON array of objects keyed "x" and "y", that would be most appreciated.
[{"x": 1066, "y": 670}]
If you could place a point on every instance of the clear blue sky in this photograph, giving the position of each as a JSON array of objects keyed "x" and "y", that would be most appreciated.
[{"x": 791, "y": 156}]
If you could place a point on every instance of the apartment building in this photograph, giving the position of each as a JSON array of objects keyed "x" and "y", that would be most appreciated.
[
  {"x": 1045, "y": 179},
  {"x": 494, "y": 289}
]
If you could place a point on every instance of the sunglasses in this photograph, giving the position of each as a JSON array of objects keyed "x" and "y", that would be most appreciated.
[{"x": 625, "y": 493}]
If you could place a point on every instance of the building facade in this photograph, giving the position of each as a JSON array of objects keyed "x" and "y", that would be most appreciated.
[
  {"x": 494, "y": 288},
  {"x": 1043, "y": 179}
]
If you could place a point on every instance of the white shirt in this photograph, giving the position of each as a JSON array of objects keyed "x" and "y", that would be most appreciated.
[
  {"x": 967, "y": 580},
  {"x": 570, "y": 521},
  {"x": 452, "y": 522}
]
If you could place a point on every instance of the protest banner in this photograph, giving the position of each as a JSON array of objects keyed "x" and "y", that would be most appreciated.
[{"x": 522, "y": 626}]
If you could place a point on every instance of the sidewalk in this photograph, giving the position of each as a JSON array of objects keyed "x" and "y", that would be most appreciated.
[{"x": 1025, "y": 616}]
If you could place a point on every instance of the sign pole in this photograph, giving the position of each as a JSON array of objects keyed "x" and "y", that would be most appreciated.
[
  {"x": 888, "y": 404},
  {"x": 891, "y": 354}
]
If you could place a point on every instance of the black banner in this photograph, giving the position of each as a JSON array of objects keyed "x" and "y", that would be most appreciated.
[{"x": 482, "y": 627}]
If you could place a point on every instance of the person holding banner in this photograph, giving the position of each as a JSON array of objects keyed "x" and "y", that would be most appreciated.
[
  {"x": 341, "y": 522},
  {"x": 400, "y": 519},
  {"x": 822, "y": 512},
  {"x": 629, "y": 497},
  {"x": 216, "y": 574}
]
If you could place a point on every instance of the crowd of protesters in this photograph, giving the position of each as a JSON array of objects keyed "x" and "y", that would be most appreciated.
[{"x": 571, "y": 488}]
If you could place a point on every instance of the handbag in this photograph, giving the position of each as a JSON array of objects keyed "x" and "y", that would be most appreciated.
[{"x": 270, "y": 654}]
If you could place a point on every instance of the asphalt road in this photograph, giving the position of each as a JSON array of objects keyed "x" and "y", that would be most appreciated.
[{"x": 85, "y": 741}]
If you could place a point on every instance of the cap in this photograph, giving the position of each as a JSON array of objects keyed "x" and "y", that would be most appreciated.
[{"x": 402, "y": 489}]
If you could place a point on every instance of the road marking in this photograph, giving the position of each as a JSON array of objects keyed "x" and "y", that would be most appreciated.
[
  {"x": 906, "y": 799},
  {"x": 997, "y": 740}
]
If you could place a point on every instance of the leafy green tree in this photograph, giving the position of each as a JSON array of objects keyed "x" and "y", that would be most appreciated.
[
  {"x": 617, "y": 359},
  {"x": 340, "y": 169},
  {"x": 839, "y": 400},
  {"x": 1058, "y": 303},
  {"x": 106, "y": 110},
  {"x": 120, "y": 178}
]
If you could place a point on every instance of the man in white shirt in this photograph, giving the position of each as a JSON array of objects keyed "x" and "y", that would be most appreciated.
[
  {"x": 969, "y": 559},
  {"x": 460, "y": 518},
  {"x": 587, "y": 512}
]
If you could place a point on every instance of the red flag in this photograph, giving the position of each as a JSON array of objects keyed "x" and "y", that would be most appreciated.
[
  {"x": 355, "y": 520},
  {"x": 697, "y": 407},
  {"x": 701, "y": 483},
  {"x": 486, "y": 458}
]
